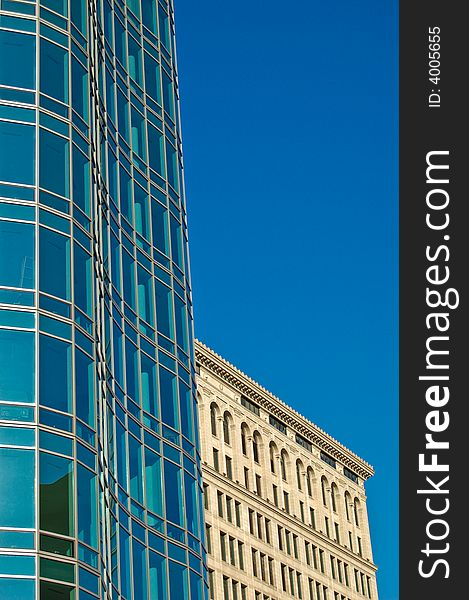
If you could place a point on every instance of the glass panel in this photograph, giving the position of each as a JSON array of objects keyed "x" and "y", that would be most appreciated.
[
  {"x": 142, "y": 212},
  {"x": 164, "y": 310},
  {"x": 55, "y": 374},
  {"x": 16, "y": 254},
  {"x": 145, "y": 295},
  {"x": 135, "y": 61},
  {"x": 171, "y": 163},
  {"x": 17, "y": 481},
  {"x": 177, "y": 580},
  {"x": 153, "y": 482},
  {"x": 149, "y": 15},
  {"x": 82, "y": 273},
  {"x": 16, "y": 152},
  {"x": 169, "y": 398},
  {"x": 84, "y": 387},
  {"x": 54, "y": 249},
  {"x": 192, "y": 521},
  {"x": 54, "y": 167},
  {"x": 56, "y": 494},
  {"x": 156, "y": 150},
  {"x": 152, "y": 77},
  {"x": 158, "y": 577},
  {"x": 81, "y": 180},
  {"x": 149, "y": 385},
  {"x": 173, "y": 493},
  {"x": 160, "y": 227},
  {"x": 54, "y": 591},
  {"x": 78, "y": 13},
  {"x": 131, "y": 369},
  {"x": 140, "y": 570},
  {"x": 54, "y": 71},
  {"x": 17, "y": 355},
  {"x": 20, "y": 68},
  {"x": 17, "y": 589},
  {"x": 136, "y": 469},
  {"x": 87, "y": 506},
  {"x": 80, "y": 92},
  {"x": 125, "y": 562},
  {"x": 54, "y": 569}
]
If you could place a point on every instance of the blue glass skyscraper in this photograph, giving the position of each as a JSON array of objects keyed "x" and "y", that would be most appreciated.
[{"x": 100, "y": 491}]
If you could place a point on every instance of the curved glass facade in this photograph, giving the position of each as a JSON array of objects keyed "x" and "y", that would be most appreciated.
[{"x": 100, "y": 485}]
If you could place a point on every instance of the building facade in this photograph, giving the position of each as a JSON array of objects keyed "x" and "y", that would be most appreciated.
[
  {"x": 100, "y": 481},
  {"x": 285, "y": 504}
]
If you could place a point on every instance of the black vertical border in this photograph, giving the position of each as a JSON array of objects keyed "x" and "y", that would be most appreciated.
[{"x": 424, "y": 129}]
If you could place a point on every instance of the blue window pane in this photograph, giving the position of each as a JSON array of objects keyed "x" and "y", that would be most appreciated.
[
  {"x": 180, "y": 312},
  {"x": 176, "y": 242},
  {"x": 152, "y": 77},
  {"x": 16, "y": 481},
  {"x": 164, "y": 310},
  {"x": 136, "y": 469},
  {"x": 16, "y": 254},
  {"x": 54, "y": 249},
  {"x": 16, "y": 152},
  {"x": 153, "y": 482},
  {"x": 54, "y": 167},
  {"x": 196, "y": 586},
  {"x": 121, "y": 445},
  {"x": 54, "y": 71},
  {"x": 132, "y": 371},
  {"x": 56, "y": 494},
  {"x": 78, "y": 14},
  {"x": 187, "y": 404},
  {"x": 171, "y": 162},
  {"x": 135, "y": 61},
  {"x": 178, "y": 580},
  {"x": 192, "y": 520},
  {"x": 17, "y": 360},
  {"x": 158, "y": 577},
  {"x": 125, "y": 194},
  {"x": 87, "y": 506},
  {"x": 20, "y": 68},
  {"x": 17, "y": 589},
  {"x": 173, "y": 493},
  {"x": 160, "y": 227},
  {"x": 82, "y": 275},
  {"x": 142, "y": 212},
  {"x": 169, "y": 398},
  {"x": 84, "y": 387},
  {"x": 164, "y": 28},
  {"x": 145, "y": 295},
  {"x": 140, "y": 570},
  {"x": 55, "y": 374},
  {"x": 81, "y": 180},
  {"x": 80, "y": 91},
  {"x": 168, "y": 95},
  {"x": 149, "y": 385},
  {"x": 128, "y": 274},
  {"x": 17, "y": 565},
  {"x": 156, "y": 149},
  {"x": 149, "y": 15},
  {"x": 125, "y": 562}
]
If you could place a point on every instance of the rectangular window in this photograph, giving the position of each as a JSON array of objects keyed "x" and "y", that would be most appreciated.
[
  {"x": 255, "y": 570},
  {"x": 302, "y": 511},
  {"x": 286, "y": 502},
  {"x": 229, "y": 467},
  {"x": 231, "y": 543},
  {"x": 321, "y": 561},
  {"x": 205, "y": 494},
  {"x": 226, "y": 588},
  {"x": 211, "y": 585},
  {"x": 258, "y": 485},
  {"x": 238, "y": 513},
  {"x": 312, "y": 518},
  {"x": 250, "y": 405},
  {"x": 229, "y": 509},
  {"x": 359, "y": 546},
  {"x": 267, "y": 531},
  {"x": 17, "y": 472},
  {"x": 223, "y": 545},
  {"x": 241, "y": 555},
  {"x": 278, "y": 424},
  {"x": 216, "y": 464},
  {"x": 280, "y": 537},
  {"x": 299, "y": 587},
  {"x": 246, "y": 478},
  {"x": 275, "y": 494},
  {"x": 208, "y": 538},
  {"x": 283, "y": 571},
  {"x": 295, "y": 546},
  {"x": 17, "y": 156},
  {"x": 17, "y": 351},
  {"x": 220, "y": 504},
  {"x": 251, "y": 522},
  {"x": 259, "y": 526}
]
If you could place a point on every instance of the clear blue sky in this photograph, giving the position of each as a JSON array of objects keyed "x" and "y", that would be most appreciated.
[{"x": 290, "y": 131}]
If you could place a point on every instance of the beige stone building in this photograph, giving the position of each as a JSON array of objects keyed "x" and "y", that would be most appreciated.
[{"x": 285, "y": 503}]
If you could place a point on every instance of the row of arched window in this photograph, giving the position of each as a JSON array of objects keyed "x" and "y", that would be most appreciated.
[{"x": 279, "y": 464}]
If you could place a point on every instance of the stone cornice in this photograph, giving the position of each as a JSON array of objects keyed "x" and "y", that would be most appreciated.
[{"x": 273, "y": 405}]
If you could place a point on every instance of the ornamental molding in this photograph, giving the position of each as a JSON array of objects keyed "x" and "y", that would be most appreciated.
[{"x": 252, "y": 390}]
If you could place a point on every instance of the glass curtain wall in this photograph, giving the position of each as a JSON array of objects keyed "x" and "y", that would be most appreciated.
[{"x": 100, "y": 482}]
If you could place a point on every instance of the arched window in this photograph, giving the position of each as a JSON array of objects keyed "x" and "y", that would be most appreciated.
[
  {"x": 299, "y": 471},
  {"x": 256, "y": 442},
  {"x": 356, "y": 511},
  {"x": 323, "y": 490},
  {"x": 283, "y": 465},
  {"x": 272, "y": 453},
  {"x": 309, "y": 481},
  {"x": 226, "y": 428},
  {"x": 244, "y": 440},
  {"x": 348, "y": 502},
  {"x": 334, "y": 495},
  {"x": 213, "y": 418}
]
